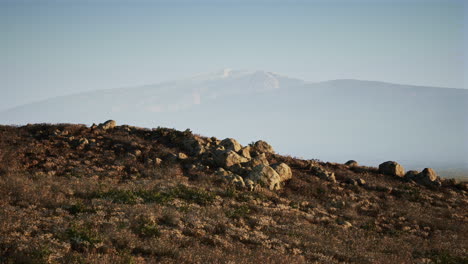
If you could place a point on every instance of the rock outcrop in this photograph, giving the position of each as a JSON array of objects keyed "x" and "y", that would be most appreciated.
[
  {"x": 109, "y": 124},
  {"x": 392, "y": 168}
]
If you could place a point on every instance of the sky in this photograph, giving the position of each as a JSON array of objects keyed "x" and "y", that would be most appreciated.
[{"x": 53, "y": 48}]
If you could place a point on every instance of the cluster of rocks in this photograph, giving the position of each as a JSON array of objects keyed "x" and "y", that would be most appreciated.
[
  {"x": 245, "y": 167},
  {"x": 426, "y": 177}
]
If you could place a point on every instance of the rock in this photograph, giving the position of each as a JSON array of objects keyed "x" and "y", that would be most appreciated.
[
  {"x": 221, "y": 172},
  {"x": 193, "y": 146},
  {"x": 231, "y": 144},
  {"x": 83, "y": 142},
  {"x": 227, "y": 159},
  {"x": 238, "y": 169},
  {"x": 344, "y": 224},
  {"x": 352, "y": 182},
  {"x": 249, "y": 184},
  {"x": 157, "y": 161},
  {"x": 182, "y": 156},
  {"x": 411, "y": 175},
  {"x": 266, "y": 176},
  {"x": 352, "y": 163},
  {"x": 245, "y": 152},
  {"x": 392, "y": 168},
  {"x": 109, "y": 124},
  {"x": 283, "y": 170},
  {"x": 361, "y": 182},
  {"x": 236, "y": 180},
  {"x": 258, "y": 160},
  {"x": 322, "y": 173},
  {"x": 263, "y": 147},
  {"x": 427, "y": 177}
]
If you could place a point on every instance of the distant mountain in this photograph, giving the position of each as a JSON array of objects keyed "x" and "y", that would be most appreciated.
[{"x": 334, "y": 120}]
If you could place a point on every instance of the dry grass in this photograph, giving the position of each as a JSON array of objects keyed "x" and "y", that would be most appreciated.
[{"x": 108, "y": 202}]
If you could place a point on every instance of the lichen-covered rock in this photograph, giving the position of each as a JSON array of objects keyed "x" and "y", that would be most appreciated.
[
  {"x": 231, "y": 144},
  {"x": 266, "y": 176},
  {"x": 392, "y": 168},
  {"x": 263, "y": 147},
  {"x": 283, "y": 170}
]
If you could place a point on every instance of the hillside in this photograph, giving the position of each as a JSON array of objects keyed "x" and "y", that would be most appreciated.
[{"x": 122, "y": 194}]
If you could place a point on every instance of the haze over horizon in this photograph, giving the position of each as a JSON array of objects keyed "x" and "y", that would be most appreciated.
[{"x": 52, "y": 48}]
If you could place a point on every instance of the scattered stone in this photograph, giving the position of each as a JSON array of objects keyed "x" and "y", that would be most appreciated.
[
  {"x": 182, "y": 156},
  {"x": 344, "y": 224},
  {"x": 283, "y": 170},
  {"x": 263, "y": 147},
  {"x": 361, "y": 182},
  {"x": 392, "y": 168},
  {"x": 352, "y": 163},
  {"x": 158, "y": 161},
  {"x": 266, "y": 176},
  {"x": 83, "y": 142}
]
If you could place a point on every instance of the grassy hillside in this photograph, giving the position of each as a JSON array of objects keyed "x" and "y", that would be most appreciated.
[{"x": 77, "y": 194}]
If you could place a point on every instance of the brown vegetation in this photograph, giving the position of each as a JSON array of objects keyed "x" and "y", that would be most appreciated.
[{"x": 75, "y": 194}]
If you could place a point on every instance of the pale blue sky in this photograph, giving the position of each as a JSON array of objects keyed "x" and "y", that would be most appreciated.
[{"x": 51, "y": 48}]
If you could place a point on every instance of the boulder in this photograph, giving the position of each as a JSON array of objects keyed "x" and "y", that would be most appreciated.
[
  {"x": 283, "y": 170},
  {"x": 228, "y": 158},
  {"x": 109, "y": 124},
  {"x": 411, "y": 175},
  {"x": 236, "y": 180},
  {"x": 231, "y": 144},
  {"x": 258, "y": 160},
  {"x": 352, "y": 163},
  {"x": 427, "y": 177},
  {"x": 193, "y": 146},
  {"x": 392, "y": 168},
  {"x": 263, "y": 147},
  {"x": 265, "y": 176}
]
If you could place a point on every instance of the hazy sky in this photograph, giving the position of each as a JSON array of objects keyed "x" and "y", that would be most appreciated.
[{"x": 51, "y": 48}]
